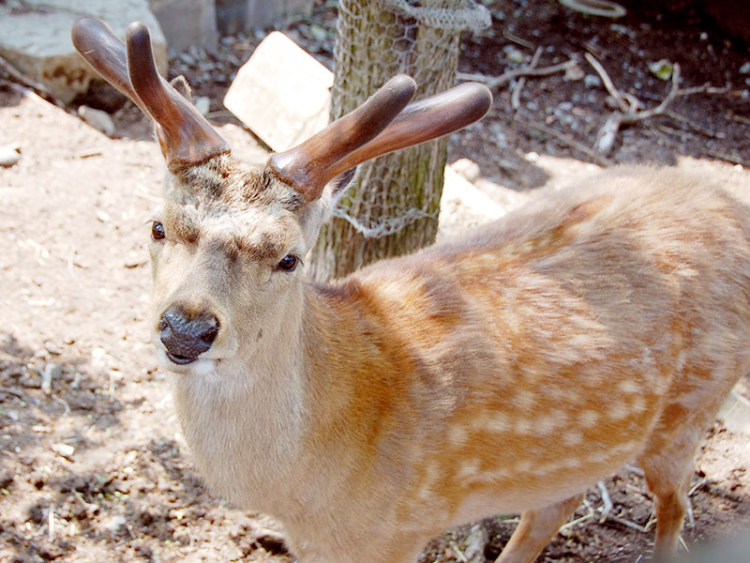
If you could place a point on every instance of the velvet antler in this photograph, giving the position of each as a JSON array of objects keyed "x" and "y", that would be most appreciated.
[
  {"x": 186, "y": 137},
  {"x": 377, "y": 127}
]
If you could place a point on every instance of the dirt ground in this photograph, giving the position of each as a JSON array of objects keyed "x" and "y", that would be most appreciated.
[{"x": 92, "y": 463}]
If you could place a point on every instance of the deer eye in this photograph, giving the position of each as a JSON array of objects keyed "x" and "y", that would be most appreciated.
[
  {"x": 288, "y": 263},
  {"x": 157, "y": 231}
]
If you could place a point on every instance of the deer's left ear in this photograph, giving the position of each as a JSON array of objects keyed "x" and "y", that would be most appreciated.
[
  {"x": 341, "y": 182},
  {"x": 315, "y": 213}
]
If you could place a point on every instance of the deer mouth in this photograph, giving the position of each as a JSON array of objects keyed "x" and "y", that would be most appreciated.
[{"x": 180, "y": 360}]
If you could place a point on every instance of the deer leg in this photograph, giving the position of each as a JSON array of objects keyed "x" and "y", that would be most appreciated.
[
  {"x": 667, "y": 462},
  {"x": 668, "y": 477},
  {"x": 670, "y": 491},
  {"x": 536, "y": 529}
]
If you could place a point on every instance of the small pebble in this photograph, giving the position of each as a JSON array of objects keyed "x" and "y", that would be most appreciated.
[
  {"x": 10, "y": 155},
  {"x": 98, "y": 119},
  {"x": 592, "y": 81},
  {"x": 64, "y": 450},
  {"x": 574, "y": 73}
]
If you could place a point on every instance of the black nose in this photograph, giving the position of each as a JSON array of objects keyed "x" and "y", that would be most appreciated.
[{"x": 186, "y": 336}]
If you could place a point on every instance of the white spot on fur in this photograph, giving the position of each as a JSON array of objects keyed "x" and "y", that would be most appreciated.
[
  {"x": 523, "y": 466},
  {"x": 524, "y": 426},
  {"x": 628, "y": 387},
  {"x": 572, "y": 437},
  {"x": 618, "y": 411},
  {"x": 469, "y": 468},
  {"x": 524, "y": 400},
  {"x": 638, "y": 404},
  {"x": 549, "y": 423},
  {"x": 588, "y": 418},
  {"x": 498, "y": 422},
  {"x": 457, "y": 435}
]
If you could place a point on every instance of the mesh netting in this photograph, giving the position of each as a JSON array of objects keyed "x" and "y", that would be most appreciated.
[{"x": 393, "y": 203}]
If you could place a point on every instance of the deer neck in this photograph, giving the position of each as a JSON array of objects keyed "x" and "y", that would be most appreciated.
[
  {"x": 250, "y": 420},
  {"x": 243, "y": 417}
]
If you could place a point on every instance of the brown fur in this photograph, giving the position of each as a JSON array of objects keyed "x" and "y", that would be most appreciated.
[{"x": 504, "y": 371}]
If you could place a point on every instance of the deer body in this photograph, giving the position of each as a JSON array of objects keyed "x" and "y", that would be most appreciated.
[{"x": 504, "y": 371}]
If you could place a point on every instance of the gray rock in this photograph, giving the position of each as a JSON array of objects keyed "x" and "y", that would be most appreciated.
[
  {"x": 187, "y": 23},
  {"x": 36, "y": 39}
]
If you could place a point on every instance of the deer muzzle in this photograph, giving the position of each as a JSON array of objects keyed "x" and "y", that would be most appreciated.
[{"x": 186, "y": 336}]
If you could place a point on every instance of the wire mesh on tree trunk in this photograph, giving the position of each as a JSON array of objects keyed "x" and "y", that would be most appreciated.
[{"x": 392, "y": 206}]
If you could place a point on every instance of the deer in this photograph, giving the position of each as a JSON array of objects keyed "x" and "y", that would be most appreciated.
[{"x": 502, "y": 371}]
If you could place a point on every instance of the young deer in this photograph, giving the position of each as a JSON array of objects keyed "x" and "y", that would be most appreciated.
[{"x": 505, "y": 371}]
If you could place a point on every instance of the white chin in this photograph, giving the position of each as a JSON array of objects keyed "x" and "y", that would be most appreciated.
[{"x": 201, "y": 366}]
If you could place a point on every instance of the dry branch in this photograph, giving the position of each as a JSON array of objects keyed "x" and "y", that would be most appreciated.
[
  {"x": 629, "y": 111},
  {"x": 494, "y": 82},
  {"x": 515, "y": 99}
]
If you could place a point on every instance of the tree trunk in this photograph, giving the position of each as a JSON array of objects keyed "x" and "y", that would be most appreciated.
[{"x": 392, "y": 206}]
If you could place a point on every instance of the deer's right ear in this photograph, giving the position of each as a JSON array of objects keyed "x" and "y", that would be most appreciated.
[{"x": 181, "y": 84}]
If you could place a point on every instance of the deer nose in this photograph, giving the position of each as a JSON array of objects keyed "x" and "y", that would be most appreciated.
[{"x": 185, "y": 336}]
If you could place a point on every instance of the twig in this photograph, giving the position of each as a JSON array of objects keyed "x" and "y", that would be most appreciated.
[
  {"x": 705, "y": 89},
  {"x": 515, "y": 39},
  {"x": 515, "y": 99},
  {"x": 586, "y": 517},
  {"x": 629, "y": 524},
  {"x": 608, "y": 84},
  {"x": 697, "y": 486},
  {"x": 493, "y": 82},
  {"x": 64, "y": 404},
  {"x": 51, "y": 523},
  {"x": 628, "y": 112},
  {"x": 457, "y": 551},
  {"x": 694, "y": 126},
  {"x": 629, "y": 118},
  {"x": 738, "y": 118},
  {"x": 606, "y": 501},
  {"x": 11, "y": 392}
]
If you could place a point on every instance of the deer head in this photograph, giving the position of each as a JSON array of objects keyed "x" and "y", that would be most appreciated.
[{"x": 228, "y": 241}]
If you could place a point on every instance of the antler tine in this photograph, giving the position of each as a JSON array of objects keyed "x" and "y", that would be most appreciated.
[
  {"x": 99, "y": 46},
  {"x": 186, "y": 137},
  {"x": 308, "y": 167},
  {"x": 422, "y": 121}
]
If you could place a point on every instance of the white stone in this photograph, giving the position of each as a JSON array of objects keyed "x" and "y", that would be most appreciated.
[
  {"x": 9, "y": 155},
  {"x": 36, "y": 40},
  {"x": 282, "y": 94},
  {"x": 98, "y": 119}
]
